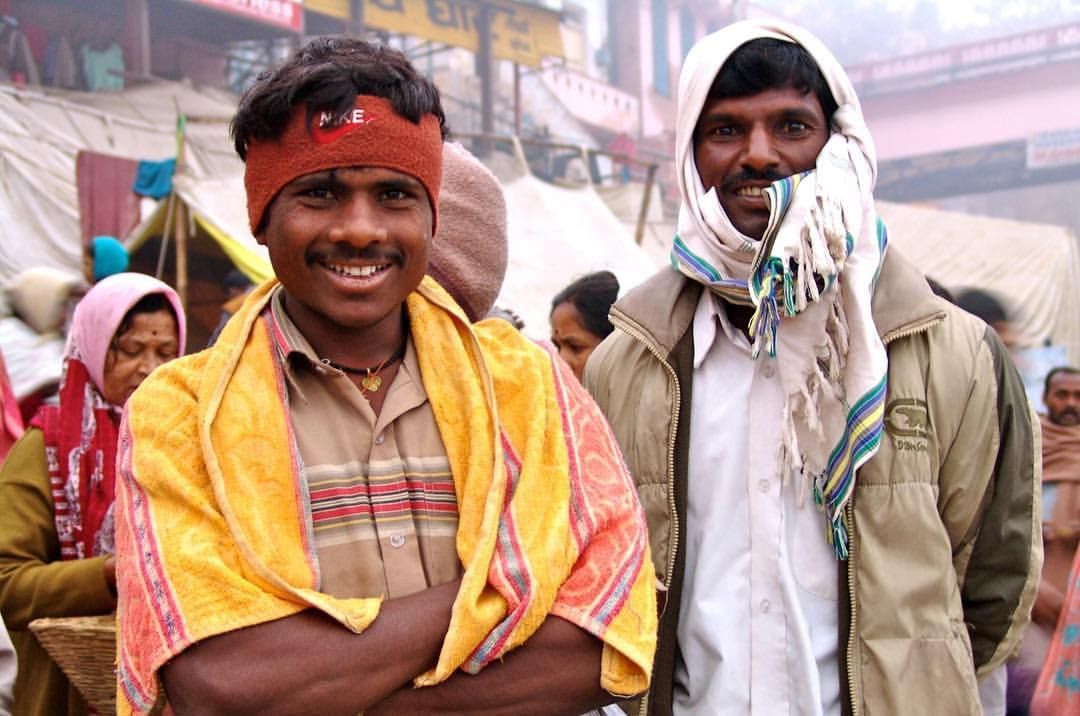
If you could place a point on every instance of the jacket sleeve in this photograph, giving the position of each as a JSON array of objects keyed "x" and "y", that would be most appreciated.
[
  {"x": 1003, "y": 546},
  {"x": 34, "y": 582}
]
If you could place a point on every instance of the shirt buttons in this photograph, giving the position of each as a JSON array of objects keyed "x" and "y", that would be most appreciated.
[
  {"x": 397, "y": 541},
  {"x": 768, "y": 370},
  {"x": 763, "y": 485},
  {"x": 380, "y": 438},
  {"x": 764, "y": 605}
]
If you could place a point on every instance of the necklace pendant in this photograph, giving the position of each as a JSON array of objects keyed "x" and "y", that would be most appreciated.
[{"x": 371, "y": 383}]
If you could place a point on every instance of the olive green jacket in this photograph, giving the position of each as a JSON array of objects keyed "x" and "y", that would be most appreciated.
[
  {"x": 946, "y": 546},
  {"x": 35, "y": 583}
]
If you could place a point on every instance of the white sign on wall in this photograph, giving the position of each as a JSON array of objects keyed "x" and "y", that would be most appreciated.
[{"x": 1053, "y": 149}]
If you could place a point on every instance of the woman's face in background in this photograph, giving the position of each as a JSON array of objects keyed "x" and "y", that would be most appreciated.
[
  {"x": 149, "y": 340},
  {"x": 571, "y": 338}
]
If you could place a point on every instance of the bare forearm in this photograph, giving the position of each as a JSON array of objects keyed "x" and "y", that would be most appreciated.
[
  {"x": 556, "y": 672},
  {"x": 308, "y": 663}
]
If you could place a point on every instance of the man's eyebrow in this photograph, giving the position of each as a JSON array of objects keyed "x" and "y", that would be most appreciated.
[
  {"x": 716, "y": 116},
  {"x": 798, "y": 113},
  {"x": 323, "y": 177},
  {"x": 401, "y": 183}
]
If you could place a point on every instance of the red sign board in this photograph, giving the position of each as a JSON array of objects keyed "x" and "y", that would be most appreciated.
[{"x": 286, "y": 14}]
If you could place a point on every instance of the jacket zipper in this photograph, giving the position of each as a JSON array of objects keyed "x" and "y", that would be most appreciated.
[
  {"x": 904, "y": 331},
  {"x": 849, "y": 523},
  {"x": 634, "y": 331}
]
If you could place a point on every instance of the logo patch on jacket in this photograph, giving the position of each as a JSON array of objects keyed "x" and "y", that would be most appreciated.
[{"x": 907, "y": 420}]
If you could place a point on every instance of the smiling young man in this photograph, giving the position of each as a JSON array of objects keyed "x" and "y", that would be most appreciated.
[
  {"x": 837, "y": 467},
  {"x": 357, "y": 491}
]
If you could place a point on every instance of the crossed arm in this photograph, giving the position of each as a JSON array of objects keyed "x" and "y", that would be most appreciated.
[{"x": 308, "y": 663}]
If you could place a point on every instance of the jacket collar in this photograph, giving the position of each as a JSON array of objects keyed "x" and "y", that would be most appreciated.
[
  {"x": 661, "y": 309},
  {"x": 903, "y": 302}
]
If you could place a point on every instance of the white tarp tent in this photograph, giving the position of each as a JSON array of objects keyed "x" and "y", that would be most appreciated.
[
  {"x": 216, "y": 206},
  {"x": 1034, "y": 267},
  {"x": 42, "y": 132},
  {"x": 658, "y": 231},
  {"x": 557, "y": 234}
]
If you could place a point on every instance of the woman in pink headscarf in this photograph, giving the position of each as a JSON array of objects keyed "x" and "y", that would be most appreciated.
[{"x": 56, "y": 486}]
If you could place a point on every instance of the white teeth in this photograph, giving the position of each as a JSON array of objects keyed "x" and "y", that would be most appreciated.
[
  {"x": 749, "y": 191},
  {"x": 355, "y": 271}
]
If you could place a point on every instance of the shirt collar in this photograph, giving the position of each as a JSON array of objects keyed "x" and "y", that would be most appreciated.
[
  {"x": 707, "y": 317},
  {"x": 294, "y": 351}
]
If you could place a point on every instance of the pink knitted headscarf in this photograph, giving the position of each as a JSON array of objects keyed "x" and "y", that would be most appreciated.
[{"x": 469, "y": 254}]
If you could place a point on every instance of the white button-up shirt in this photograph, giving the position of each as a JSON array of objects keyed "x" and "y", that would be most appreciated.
[{"x": 758, "y": 614}]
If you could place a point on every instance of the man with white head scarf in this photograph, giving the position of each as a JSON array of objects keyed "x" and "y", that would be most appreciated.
[{"x": 838, "y": 468}]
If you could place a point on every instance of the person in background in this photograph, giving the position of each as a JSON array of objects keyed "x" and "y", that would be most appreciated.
[
  {"x": 104, "y": 256},
  {"x": 579, "y": 317},
  {"x": 1060, "y": 528},
  {"x": 57, "y": 484},
  {"x": 469, "y": 253},
  {"x": 358, "y": 470},
  {"x": 1057, "y": 691},
  {"x": 990, "y": 308},
  {"x": 9, "y": 666},
  {"x": 507, "y": 314},
  {"x": 40, "y": 304},
  {"x": 940, "y": 290},
  {"x": 839, "y": 468},
  {"x": 236, "y": 286}
]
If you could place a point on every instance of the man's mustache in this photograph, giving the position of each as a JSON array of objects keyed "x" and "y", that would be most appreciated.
[
  {"x": 344, "y": 252},
  {"x": 748, "y": 175}
]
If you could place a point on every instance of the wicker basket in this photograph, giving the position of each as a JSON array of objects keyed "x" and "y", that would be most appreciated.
[{"x": 85, "y": 650}]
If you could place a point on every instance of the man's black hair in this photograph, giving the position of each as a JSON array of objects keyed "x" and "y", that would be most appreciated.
[
  {"x": 767, "y": 64},
  {"x": 592, "y": 296},
  {"x": 1061, "y": 369},
  {"x": 983, "y": 304},
  {"x": 328, "y": 73},
  {"x": 236, "y": 279}
]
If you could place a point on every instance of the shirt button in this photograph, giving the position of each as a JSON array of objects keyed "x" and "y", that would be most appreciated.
[
  {"x": 768, "y": 370},
  {"x": 397, "y": 540},
  {"x": 764, "y": 606},
  {"x": 380, "y": 438},
  {"x": 763, "y": 485}
]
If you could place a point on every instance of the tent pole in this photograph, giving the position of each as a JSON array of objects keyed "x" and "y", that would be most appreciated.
[
  {"x": 170, "y": 206},
  {"x": 639, "y": 230},
  {"x": 182, "y": 255}
]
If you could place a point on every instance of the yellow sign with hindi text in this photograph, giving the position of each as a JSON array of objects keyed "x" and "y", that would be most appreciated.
[{"x": 519, "y": 33}]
